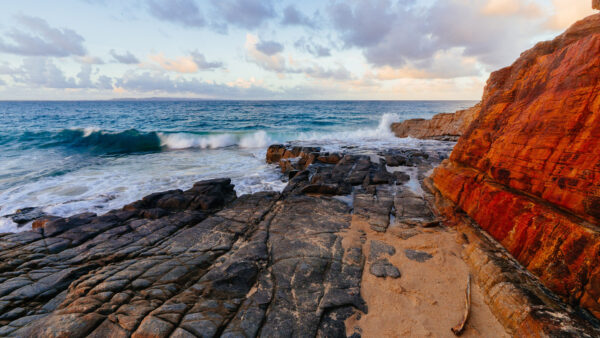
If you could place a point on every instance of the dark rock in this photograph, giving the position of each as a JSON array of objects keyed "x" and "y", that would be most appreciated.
[
  {"x": 160, "y": 267},
  {"x": 42, "y": 221},
  {"x": 401, "y": 177},
  {"x": 383, "y": 268},
  {"x": 418, "y": 256},
  {"x": 26, "y": 215},
  {"x": 379, "y": 249},
  {"x": 396, "y": 160}
]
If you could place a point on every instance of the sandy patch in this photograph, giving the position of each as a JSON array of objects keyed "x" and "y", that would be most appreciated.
[{"x": 428, "y": 299}]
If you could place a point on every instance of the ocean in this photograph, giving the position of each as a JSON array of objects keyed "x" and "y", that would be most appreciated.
[{"x": 73, "y": 157}]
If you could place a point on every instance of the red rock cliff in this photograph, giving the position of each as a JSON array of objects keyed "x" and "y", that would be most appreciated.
[
  {"x": 442, "y": 126},
  {"x": 527, "y": 169}
]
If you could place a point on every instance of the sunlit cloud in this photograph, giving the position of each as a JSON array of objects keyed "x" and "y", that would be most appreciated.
[
  {"x": 367, "y": 49},
  {"x": 566, "y": 12}
]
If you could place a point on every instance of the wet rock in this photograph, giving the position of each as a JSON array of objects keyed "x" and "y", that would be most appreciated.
[
  {"x": 401, "y": 177},
  {"x": 42, "y": 221},
  {"x": 26, "y": 215}
]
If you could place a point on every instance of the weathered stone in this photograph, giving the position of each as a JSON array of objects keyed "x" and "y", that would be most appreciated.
[
  {"x": 444, "y": 127},
  {"x": 527, "y": 170},
  {"x": 379, "y": 249},
  {"x": 27, "y": 215},
  {"x": 383, "y": 268},
  {"x": 418, "y": 256}
]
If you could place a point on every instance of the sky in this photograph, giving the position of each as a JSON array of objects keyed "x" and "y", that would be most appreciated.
[{"x": 263, "y": 49}]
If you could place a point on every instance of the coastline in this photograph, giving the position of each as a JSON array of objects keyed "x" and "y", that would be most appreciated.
[
  {"x": 484, "y": 224},
  {"x": 310, "y": 260}
]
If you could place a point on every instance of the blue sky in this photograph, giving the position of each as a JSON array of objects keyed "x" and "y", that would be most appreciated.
[{"x": 261, "y": 49}]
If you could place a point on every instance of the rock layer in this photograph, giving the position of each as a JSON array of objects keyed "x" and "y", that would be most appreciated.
[
  {"x": 527, "y": 170},
  {"x": 445, "y": 126}
]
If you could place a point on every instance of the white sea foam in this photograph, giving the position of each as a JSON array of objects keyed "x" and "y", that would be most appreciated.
[
  {"x": 90, "y": 130},
  {"x": 118, "y": 181},
  {"x": 259, "y": 139},
  {"x": 110, "y": 183},
  {"x": 186, "y": 141}
]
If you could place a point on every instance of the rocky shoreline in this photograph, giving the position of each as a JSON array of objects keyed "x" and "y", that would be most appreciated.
[
  {"x": 361, "y": 242},
  {"x": 332, "y": 255}
]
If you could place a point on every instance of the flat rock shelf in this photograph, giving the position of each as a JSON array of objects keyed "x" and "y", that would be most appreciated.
[{"x": 351, "y": 247}]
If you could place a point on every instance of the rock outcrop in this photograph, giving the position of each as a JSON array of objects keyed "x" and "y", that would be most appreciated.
[
  {"x": 596, "y": 4},
  {"x": 184, "y": 264},
  {"x": 205, "y": 263},
  {"x": 527, "y": 169},
  {"x": 444, "y": 127}
]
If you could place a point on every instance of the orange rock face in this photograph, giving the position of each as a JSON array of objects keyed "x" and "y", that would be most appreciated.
[
  {"x": 527, "y": 169},
  {"x": 596, "y": 4},
  {"x": 441, "y": 126}
]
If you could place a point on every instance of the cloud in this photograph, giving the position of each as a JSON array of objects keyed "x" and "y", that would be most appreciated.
[
  {"x": 398, "y": 34},
  {"x": 201, "y": 62},
  {"x": 42, "y": 72},
  {"x": 512, "y": 7},
  {"x": 5, "y": 68},
  {"x": 185, "y": 64},
  {"x": 364, "y": 25},
  {"x": 274, "y": 62},
  {"x": 39, "y": 39},
  {"x": 293, "y": 17},
  {"x": 2, "y": 82},
  {"x": 339, "y": 74},
  {"x": 88, "y": 59},
  {"x": 126, "y": 58},
  {"x": 182, "y": 12},
  {"x": 269, "y": 47},
  {"x": 566, "y": 12},
  {"x": 312, "y": 48},
  {"x": 443, "y": 65},
  {"x": 160, "y": 83},
  {"x": 248, "y": 14}
]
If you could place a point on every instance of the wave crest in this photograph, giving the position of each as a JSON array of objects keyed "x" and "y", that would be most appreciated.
[{"x": 98, "y": 141}]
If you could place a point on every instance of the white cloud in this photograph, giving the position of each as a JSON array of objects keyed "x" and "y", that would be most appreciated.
[
  {"x": 38, "y": 38},
  {"x": 185, "y": 64}
]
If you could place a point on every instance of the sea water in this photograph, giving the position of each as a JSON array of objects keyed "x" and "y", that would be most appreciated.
[{"x": 72, "y": 157}]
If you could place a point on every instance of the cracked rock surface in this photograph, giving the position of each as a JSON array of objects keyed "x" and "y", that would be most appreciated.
[
  {"x": 184, "y": 264},
  {"x": 206, "y": 263}
]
